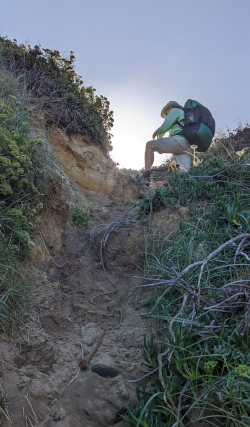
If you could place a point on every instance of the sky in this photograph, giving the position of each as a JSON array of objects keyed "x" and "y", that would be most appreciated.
[{"x": 141, "y": 54}]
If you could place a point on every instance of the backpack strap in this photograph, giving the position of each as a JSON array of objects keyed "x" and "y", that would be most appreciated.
[{"x": 181, "y": 133}]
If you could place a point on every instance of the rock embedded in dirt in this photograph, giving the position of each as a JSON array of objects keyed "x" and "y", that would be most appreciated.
[
  {"x": 23, "y": 381},
  {"x": 89, "y": 333},
  {"x": 39, "y": 355},
  {"x": 90, "y": 401}
]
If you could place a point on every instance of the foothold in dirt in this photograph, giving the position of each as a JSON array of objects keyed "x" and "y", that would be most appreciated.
[
  {"x": 83, "y": 364},
  {"x": 118, "y": 416},
  {"x": 56, "y": 417},
  {"x": 105, "y": 371}
]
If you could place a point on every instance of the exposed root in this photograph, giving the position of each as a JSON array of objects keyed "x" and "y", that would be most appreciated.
[
  {"x": 48, "y": 252},
  {"x": 94, "y": 311},
  {"x": 103, "y": 243}
]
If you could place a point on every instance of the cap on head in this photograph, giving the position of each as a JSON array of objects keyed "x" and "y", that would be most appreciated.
[{"x": 173, "y": 104}]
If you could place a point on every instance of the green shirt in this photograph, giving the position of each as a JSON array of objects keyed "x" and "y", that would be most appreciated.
[{"x": 170, "y": 124}]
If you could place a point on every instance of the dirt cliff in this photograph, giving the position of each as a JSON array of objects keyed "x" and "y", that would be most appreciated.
[{"x": 87, "y": 165}]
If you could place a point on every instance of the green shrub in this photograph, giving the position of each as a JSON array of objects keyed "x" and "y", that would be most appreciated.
[
  {"x": 60, "y": 91},
  {"x": 20, "y": 202},
  {"x": 20, "y": 205},
  {"x": 80, "y": 217}
]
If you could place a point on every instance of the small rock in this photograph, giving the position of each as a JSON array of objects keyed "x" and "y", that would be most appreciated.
[
  {"x": 89, "y": 334},
  {"x": 24, "y": 381},
  {"x": 183, "y": 210}
]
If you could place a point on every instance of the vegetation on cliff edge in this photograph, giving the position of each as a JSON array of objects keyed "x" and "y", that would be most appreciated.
[
  {"x": 196, "y": 289},
  {"x": 20, "y": 199},
  {"x": 58, "y": 90}
]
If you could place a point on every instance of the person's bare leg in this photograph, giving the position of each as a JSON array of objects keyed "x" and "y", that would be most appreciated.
[
  {"x": 185, "y": 161},
  {"x": 149, "y": 156}
]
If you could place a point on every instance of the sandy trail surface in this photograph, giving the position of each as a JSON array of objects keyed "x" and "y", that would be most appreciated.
[{"x": 69, "y": 362}]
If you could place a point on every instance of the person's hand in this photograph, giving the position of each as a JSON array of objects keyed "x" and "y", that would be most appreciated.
[{"x": 154, "y": 135}]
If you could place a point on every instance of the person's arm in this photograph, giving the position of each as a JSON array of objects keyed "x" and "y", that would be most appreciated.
[
  {"x": 154, "y": 134},
  {"x": 169, "y": 121}
]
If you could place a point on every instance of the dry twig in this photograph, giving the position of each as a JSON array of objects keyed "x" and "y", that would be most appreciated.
[
  {"x": 201, "y": 263},
  {"x": 223, "y": 302},
  {"x": 84, "y": 363}
]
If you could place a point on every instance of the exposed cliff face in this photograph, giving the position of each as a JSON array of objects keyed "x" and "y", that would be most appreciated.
[
  {"x": 79, "y": 171},
  {"x": 87, "y": 165}
]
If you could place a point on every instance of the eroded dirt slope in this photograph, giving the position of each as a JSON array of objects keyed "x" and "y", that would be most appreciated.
[{"x": 69, "y": 363}]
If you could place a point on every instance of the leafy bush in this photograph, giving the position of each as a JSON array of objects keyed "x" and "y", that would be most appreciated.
[
  {"x": 61, "y": 92},
  {"x": 80, "y": 217},
  {"x": 20, "y": 197},
  {"x": 20, "y": 202}
]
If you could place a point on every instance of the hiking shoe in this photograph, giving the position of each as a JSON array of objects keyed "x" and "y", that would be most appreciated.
[{"x": 143, "y": 180}]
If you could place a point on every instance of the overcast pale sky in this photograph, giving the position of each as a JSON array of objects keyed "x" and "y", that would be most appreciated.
[{"x": 142, "y": 53}]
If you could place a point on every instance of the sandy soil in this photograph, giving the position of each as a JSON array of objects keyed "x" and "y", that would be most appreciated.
[{"x": 69, "y": 362}]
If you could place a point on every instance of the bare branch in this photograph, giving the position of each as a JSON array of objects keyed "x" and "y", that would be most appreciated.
[
  {"x": 199, "y": 263},
  {"x": 239, "y": 248},
  {"x": 244, "y": 255},
  {"x": 169, "y": 282},
  {"x": 222, "y": 302}
]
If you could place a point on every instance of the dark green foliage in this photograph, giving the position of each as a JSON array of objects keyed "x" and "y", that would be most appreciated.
[
  {"x": 14, "y": 286},
  {"x": 80, "y": 217},
  {"x": 150, "y": 351},
  {"x": 203, "y": 319},
  {"x": 216, "y": 179},
  {"x": 20, "y": 202},
  {"x": 52, "y": 80},
  {"x": 206, "y": 375}
]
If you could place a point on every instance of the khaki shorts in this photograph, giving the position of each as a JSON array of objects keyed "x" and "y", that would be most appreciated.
[
  {"x": 173, "y": 144},
  {"x": 177, "y": 145}
]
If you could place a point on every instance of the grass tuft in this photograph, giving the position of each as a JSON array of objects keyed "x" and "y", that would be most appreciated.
[{"x": 80, "y": 217}]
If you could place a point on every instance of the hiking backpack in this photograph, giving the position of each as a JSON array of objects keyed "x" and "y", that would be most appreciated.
[{"x": 199, "y": 125}]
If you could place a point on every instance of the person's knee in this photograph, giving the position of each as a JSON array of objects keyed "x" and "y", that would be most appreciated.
[{"x": 150, "y": 145}]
